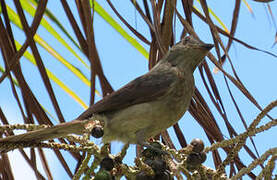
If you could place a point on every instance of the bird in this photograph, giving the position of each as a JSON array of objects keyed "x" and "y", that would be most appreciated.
[{"x": 142, "y": 108}]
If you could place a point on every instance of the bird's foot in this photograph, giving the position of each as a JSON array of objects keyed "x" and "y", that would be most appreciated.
[{"x": 154, "y": 148}]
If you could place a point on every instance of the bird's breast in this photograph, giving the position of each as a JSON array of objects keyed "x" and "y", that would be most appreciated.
[{"x": 179, "y": 97}]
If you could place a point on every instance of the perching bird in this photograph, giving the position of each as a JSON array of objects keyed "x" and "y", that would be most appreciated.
[{"x": 145, "y": 106}]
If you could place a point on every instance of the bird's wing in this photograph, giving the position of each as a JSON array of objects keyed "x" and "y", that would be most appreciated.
[{"x": 145, "y": 88}]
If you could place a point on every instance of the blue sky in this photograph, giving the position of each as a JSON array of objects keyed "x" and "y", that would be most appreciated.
[{"x": 122, "y": 63}]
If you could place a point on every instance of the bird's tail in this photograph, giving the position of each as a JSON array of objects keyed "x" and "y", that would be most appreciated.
[{"x": 60, "y": 130}]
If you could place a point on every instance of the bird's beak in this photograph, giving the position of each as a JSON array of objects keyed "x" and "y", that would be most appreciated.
[{"x": 208, "y": 46}]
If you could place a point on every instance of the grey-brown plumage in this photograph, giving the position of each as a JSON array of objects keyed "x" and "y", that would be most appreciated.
[{"x": 144, "y": 107}]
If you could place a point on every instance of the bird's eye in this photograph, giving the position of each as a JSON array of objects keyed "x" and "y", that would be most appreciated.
[{"x": 186, "y": 40}]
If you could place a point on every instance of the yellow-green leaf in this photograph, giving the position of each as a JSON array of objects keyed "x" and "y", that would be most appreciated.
[
  {"x": 31, "y": 10},
  {"x": 55, "y": 79},
  {"x": 101, "y": 11}
]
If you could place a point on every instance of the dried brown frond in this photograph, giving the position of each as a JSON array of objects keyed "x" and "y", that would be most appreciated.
[{"x": 159, "y": 17}]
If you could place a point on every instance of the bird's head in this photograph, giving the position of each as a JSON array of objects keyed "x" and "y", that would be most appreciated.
[{"x": 188, "y": 53}]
